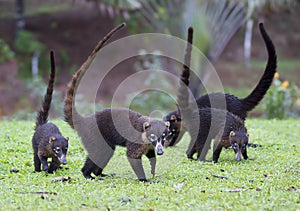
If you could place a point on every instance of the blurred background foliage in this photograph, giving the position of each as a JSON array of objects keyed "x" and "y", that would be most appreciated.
[{"x": 215, "y": 22}]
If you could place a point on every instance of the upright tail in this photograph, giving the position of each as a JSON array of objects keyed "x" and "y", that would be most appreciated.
[
  {"x": 183, "y": 93},
  {"x": 69, "y": 109},
  {"x": 265, "y": 82},
  {"x": 42, "y": 116}
]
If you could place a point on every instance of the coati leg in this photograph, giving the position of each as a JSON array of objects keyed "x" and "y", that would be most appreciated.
[
  {"x": 151, "y": 156},
  {"x": 44, "y": 163},
  {"x": 55, "y": 164},
  {"x": 37, "y": 162},
  {"x": 202, "y": 146},
  {"x": 89, "y": 168},
  {"x": 191, "y": 151},
  {"x": 217, "y": 150},
  {"x": 192, "y": 146},
  {"x": 137, "y": 166},
  {"x": 244, "y": 153}
]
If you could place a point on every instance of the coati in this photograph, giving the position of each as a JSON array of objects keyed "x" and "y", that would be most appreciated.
[
  {"x": 235, "y": 105},
  {"x": 111, "y": 127},
  {"x": 224, "y": 127},
  {"x": 47, "y": 141},
  {"x": 205, "y": 124}
]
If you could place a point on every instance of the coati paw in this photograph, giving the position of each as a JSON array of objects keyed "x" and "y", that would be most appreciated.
[
  {"x": 143, "y": 180},
  {"x": 89, "y": 177},
  {"x": 50, "y": 171},
  {"x": 46, "y": 170}
]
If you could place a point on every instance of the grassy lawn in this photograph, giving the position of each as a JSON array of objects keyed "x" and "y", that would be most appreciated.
[{"x": 270, "y": 180}]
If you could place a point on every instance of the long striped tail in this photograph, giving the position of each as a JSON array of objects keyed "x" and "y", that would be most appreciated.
[
  {"x": 183, "y": 92},
  {"x": 42, "y": 116},
  {"x": 69, "y": 109},
  {"x": 265, "y": 82}
]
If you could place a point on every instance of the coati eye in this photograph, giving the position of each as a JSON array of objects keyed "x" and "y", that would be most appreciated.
[
  {"x": 56, "y": 150},
  {"x": 164, "y": 134},
  {"x": 173, "y": 130}
]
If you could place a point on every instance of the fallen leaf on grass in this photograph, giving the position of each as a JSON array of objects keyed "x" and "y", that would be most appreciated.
[
  {"x": 125, "y": 200},
  {"x": 14, "y": 170},
  {"x": 234, "y": 190},
  {"x": 38, "y": 192},
  {"x": 179, "y": 185},
  {"x": 221, "y": 177},
  {"x": 61, "y": 179},
  {"x": 293, "y": 188}
]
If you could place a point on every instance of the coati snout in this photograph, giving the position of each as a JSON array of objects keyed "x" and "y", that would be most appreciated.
[
  {"x": 239, "y": 142},
  {"x": 156, "y": 137},
  {"x": 59, "y": 148}
]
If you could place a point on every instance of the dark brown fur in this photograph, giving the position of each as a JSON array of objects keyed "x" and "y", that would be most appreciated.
[
  {"x": 224, "y": 127},
  {"x": 205, "y": 124},
  {"x": 47, "y": 141},
  {"x": 231, "y": 103},
  {"x": 108, "y": 128}
]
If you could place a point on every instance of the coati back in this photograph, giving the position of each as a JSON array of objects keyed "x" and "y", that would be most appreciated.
[
  {"x": 235, "y": 105},
  {"x": 205, "y": 124},
  {"x": 47, "y": 141},
  {"x": 103, "y": 131}
]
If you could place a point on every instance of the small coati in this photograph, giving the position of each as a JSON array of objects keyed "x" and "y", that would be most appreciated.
[
  {"x": 224, "y": 127},
  {"x": 47, "y": 141},
  {"x": 235, "y": 105},
  {"x": 205, "y": 124},
  {"x": 111, "y": 127}
]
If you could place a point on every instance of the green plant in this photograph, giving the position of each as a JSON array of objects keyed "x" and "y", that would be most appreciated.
[
  {"x": 26, "y": 42},
  {"x": 280, "y": 99},
  {"x": 149, "y": 100},
  {"x": 26, "y": 45},
  {"x": 6, "y": 54}
]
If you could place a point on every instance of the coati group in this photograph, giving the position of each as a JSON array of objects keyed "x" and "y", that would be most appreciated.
[
  {"x": 101, "y": 132},
  {"x": 213, "y": 116}
]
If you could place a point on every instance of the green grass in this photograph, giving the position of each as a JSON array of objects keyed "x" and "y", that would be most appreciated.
[{"x": 268, "y": 181}]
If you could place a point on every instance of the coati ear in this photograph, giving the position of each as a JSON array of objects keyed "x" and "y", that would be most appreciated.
[
  {"x": 51, "y": 139},
  {"x": 173, "y": 117},
  {"x": 167, "y": 123},
  {"x": 232, "y": 134},
  {"x": 67, "y": 138},
  {"x": 146, "y": 125},
  {"x": 247, "y": 134}
]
